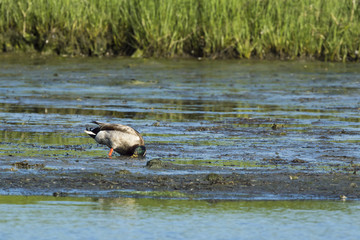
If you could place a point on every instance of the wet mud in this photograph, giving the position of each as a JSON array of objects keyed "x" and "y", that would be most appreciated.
[
  {"x": 216, "y": 183},
  {"x": 213, "y": 130}
]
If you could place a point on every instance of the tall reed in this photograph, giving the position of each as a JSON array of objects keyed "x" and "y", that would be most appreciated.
[{"x": 322, "y": 29}]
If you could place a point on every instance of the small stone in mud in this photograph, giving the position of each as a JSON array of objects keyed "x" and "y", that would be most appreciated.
[
  {"x": 123, "y": 172},
  {"x": 297, "y": 160},
  {"x": 353, "y": 185},
  {"x": 214, "y": 178},
  {"x": 60, "y": 194},
  {"x": 155, "y": 163}
]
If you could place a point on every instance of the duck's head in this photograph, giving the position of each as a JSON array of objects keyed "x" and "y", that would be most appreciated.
[{"x": 139, "y": 151}]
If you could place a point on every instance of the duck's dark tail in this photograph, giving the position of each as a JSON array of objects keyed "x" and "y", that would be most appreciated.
[{"x": 92, "y": 132}]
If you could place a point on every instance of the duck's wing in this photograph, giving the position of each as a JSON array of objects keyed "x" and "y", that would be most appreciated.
[{"x": 118, "y": 127}]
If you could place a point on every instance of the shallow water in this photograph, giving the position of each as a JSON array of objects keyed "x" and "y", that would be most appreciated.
[
  {"x": 212, "y": 113},
  {"x": 216, "y": 113},
  {"x": 128, "y": 218}
]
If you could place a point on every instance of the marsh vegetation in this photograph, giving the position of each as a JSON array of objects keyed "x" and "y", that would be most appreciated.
[{"x": 320, "y": 29}]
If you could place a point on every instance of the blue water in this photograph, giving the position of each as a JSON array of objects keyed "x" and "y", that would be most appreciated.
[{"x": 128, "y": 218}]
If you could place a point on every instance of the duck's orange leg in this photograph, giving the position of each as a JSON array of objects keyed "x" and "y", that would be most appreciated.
[{"x": 111, "y": 151}]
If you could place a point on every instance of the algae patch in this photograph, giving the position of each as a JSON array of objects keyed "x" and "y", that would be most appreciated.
[
  {"x": 26, "y": 165},
  {"x": 214, "y": 178},
  {"x": 155, "y": 164},
  {"x": 156, "y": 194}
]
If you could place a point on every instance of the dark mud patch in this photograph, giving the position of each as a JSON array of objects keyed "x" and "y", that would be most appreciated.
[
  {"x": 155, "y": 164},
  {"x": 219, "y": 184},
  {"x": 26, "y": 165}
]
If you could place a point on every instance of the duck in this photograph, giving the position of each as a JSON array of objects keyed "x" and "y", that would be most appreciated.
[{"x": 119, "y": 138}]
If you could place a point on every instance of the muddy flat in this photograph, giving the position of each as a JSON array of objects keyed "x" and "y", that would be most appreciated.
[
  {"x": 220, "y": 183},
  {"x": 213, "y": 129}
]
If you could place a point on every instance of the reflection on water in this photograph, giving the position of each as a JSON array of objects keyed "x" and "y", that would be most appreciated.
[
  {"x": 127, "y": 218},
  {"x": 210, "y": 111}
]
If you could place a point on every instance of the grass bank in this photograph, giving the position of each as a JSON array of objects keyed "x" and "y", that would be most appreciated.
[{"x": 320, "y": 29}]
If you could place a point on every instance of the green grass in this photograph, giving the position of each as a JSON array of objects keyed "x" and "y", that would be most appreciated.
[{"x": 286, "y": 29}]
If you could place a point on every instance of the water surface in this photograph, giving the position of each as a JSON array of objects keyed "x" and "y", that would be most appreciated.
[
  {"x": 128, "y": 218},
  {"x": 241, "y": 116},
  {"x": 217, "y": 113}
]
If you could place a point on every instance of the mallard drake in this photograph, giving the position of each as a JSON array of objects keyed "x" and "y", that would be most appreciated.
[{"x": 123, "y": 139}]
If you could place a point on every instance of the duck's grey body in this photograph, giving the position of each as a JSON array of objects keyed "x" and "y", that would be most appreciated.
[{"x": 122, "y": 139}]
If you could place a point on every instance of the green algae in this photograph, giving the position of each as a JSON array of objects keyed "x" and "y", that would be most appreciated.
[{"x": 156, "y": 194}]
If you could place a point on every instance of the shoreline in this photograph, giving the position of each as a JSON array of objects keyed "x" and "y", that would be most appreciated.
[
  {"x": 217, "y": 184},
  {"x": 40, "y": 55}
]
